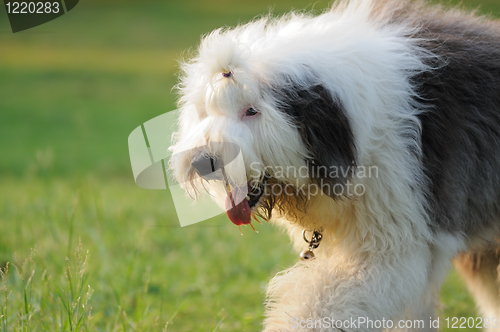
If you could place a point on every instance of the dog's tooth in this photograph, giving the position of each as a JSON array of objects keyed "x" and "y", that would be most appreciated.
[{"x": 248, "y": 198}]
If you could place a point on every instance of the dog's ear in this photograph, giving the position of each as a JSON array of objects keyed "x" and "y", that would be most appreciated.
[{"x": 325, "y": 130}]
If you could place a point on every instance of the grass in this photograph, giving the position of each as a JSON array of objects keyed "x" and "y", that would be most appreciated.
[
  {"x": 144, "y": 269},
  {"x": 83, "y": 248}
]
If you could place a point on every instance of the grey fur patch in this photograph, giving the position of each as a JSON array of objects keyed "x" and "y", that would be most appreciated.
[
  {"x": 461, "y": 128},
  {"x": 325, "y": 130}
]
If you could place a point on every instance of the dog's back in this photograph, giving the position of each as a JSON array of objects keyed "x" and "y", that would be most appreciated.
[{"x": 460, "y": 133}]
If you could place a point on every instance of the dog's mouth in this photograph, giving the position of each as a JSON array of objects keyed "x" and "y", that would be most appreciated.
[{"x": 239, "y": 209}]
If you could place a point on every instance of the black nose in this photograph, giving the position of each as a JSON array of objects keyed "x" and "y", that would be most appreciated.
[{"x": 207, "y": 166}]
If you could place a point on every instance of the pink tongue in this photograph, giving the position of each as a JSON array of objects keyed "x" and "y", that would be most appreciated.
[{"x": 241, "y": 214}]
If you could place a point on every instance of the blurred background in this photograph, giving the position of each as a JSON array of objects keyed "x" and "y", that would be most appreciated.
[{"x": 81, "y": 246}]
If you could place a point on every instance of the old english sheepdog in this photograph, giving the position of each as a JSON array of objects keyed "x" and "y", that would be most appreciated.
[{"x": 373, "y": 127}]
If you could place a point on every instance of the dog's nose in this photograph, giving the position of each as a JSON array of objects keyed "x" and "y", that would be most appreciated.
[{"x": 207, "y": 166}]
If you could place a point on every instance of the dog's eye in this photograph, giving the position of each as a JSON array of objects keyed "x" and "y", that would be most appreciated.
[{"x": 251, "y": 112}]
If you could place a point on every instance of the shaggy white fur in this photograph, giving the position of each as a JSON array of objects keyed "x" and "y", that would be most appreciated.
[{"x": 380, "y": 258}]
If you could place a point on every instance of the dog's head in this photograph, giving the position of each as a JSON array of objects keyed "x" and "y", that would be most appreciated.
[{"x": 260, "y": 122}]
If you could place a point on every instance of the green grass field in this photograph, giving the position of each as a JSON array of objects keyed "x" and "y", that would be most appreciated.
[{"x": 86, "y": 248}]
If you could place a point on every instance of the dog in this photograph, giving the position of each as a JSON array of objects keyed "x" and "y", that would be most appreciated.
[{"x": 373, "y": 127}]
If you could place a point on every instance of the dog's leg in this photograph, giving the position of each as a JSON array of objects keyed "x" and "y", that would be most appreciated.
[
  {"x": 480, "y": 272},
  {"x": 423, "y": 310},
  {"x": 445, "y": 247},
  {"x": 375, "y": 287}
]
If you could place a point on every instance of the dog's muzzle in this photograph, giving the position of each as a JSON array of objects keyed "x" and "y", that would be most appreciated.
[
  {"x": 218, "y": 162},
  {"x": 207, "y": 165}
]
